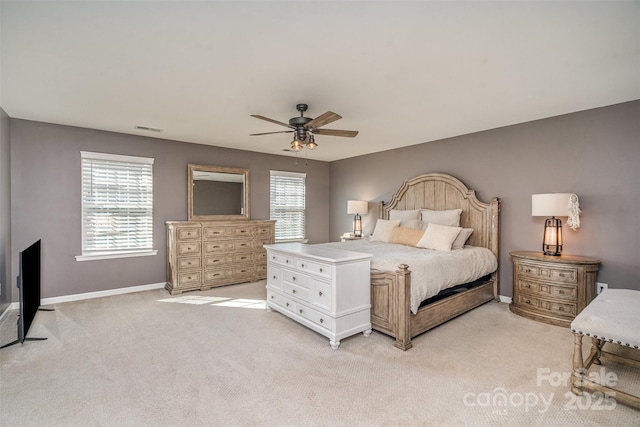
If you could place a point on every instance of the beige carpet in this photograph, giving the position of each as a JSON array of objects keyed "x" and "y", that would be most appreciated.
[{"x": 218, "y": 358}]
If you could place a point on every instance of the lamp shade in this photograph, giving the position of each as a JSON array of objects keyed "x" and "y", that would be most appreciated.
[
  {"x": 550, "y": 204},
  {"x": 357, "y": 207}
]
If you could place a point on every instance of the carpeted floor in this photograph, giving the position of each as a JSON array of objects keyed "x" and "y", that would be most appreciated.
[{"x": 218, "y": 358}]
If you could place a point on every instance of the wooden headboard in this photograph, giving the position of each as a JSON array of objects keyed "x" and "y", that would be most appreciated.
[{"x": 439, "y": 191}]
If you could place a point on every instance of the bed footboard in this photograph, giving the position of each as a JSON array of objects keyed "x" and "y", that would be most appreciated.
[{"x": 390, "y": 305}]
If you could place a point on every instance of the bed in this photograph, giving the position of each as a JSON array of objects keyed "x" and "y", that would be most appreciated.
[{"x": 391, "y": 302}]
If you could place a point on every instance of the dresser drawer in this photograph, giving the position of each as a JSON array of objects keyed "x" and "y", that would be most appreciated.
[
  {"x": 321, "y": 295},
  {"x": 264, "y": 230},
  {"x": 274, "y": 277},
  {"x": 187, "y": 233},
  {"x": 190, "y": 278},
  {"x": 281, "y": 300},
  {"x": 220, "y": 246},
  {"x": 214, "y": 232},
  {"x": 296, "y": 278},
  {"x": 212, "y": 261},
  {"x": 242, "y": 245},
  {"x": 242, "y": 258},
  {"x": 188, "y": 248},
  {"x": 323, "y": 270},
  {"x": 318, "y": 318},
  {"x": 189, "y": 263},
  {"x": 294, "y": 290}
]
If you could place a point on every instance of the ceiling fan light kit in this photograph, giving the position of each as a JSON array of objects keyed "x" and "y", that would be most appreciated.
[{"x": 304, "y": 128}]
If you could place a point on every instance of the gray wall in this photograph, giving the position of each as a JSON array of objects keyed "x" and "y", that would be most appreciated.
[
  {"x": 595, "y": 154},
  {"x": 45, "y": 199},
  {"x": 5, "y": 213}
]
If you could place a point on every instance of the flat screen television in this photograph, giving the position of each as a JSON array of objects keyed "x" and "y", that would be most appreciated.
[{"x": 29, "y": 289}]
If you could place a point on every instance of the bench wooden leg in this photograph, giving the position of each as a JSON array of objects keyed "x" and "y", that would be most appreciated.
[{"x": 578, "y": 365}]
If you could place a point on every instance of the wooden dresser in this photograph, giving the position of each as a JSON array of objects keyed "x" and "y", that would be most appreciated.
[
  {"x": 327, "y": 290},
  {"x": 205, "y": 254},
  {"x": 552, "y": 289}
]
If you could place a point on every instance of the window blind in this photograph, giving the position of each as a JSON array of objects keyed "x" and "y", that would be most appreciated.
[
  {"x": 117, "y": 203},
  {"x": 288, "y": 204}
]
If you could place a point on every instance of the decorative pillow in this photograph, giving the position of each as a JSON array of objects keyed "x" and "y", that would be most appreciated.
[
  {"x": 383, "y": 229},
  {"x": 404, "y": 214},
  {"x": 450, "y": 217},
  {"x": 462, "y": 238},
  {"x": 415, "y": 224},
  {"x": 439, "y": 237},
  {"x": 405, "y": 236}
]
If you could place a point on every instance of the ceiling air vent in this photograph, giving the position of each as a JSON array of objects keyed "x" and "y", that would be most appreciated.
[{"x": 149, "y": 129}]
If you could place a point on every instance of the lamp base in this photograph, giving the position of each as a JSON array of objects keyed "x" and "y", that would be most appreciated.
[{"x": 552, "y": 253}]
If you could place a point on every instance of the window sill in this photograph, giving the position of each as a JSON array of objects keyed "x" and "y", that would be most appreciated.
[{"x": 113, "y": 255}]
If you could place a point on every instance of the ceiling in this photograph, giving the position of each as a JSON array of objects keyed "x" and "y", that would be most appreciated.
[{"x": 401, "y": 73}]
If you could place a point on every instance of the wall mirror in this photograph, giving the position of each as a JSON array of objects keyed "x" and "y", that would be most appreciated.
[{"x": 218, "y": 193}]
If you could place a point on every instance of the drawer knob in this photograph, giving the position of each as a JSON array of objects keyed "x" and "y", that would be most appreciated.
[
  {"x": 300, "y": 311},
  {"x": 528, "y": 301},
  {"x": 302, "y": 265},
  {"x": 287, "y": 261},
  {"x": 272, "y": 297},
  {"x": 273, "y": 258},
  {"x": 320, "y": 293},
  {"x": 561, "y": 292},
  {"x": 274, "y": 277},
  {"x": 321, "y": 320},
  {"x": 294, "y": 278},
  {"x": 293, "y": 291},
  {"x": 528, "y": 270},
  {"x": 561, "y": 274},
  {"x": 287, "y": 304},
  {"x": 561, "y": 308},
  {"x": 528, "y": 286},
  {"x": 321, "y": 270}
]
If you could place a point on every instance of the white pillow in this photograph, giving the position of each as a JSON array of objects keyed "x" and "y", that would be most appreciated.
[
  {"x": 462, "y": 239},
  {"x": 414, "y": 224},
  {"x": 383, "y": 229},
  {"x": 439, "y": 237},
  {"x": 404, "y": 214},
  {"x": 449, "y": 217}
]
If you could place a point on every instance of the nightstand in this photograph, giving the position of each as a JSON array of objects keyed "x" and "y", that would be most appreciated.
[{"x": 552, "y": 289}]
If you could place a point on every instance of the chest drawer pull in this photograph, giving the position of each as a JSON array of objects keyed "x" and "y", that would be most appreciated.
[
  {"x": 300, "y": 311},
  {"x": 528, "y": 286},
  {"x": 561, "y": 292},
  {"x": 274, "y": 277},
  {"x": 528, "y": 301},
  {"x": 293, "y": 291},
  {"x": 528, "y": 270},
  {"x": 302, "y": 265},
  {"x": 320, "y": 293},
  {"x": 287, "y": 304},
  {"x": 321, "y": 320},
  {"x": 294, "y": 278},
  {"x": 321, "y": 270},
  {"x": 561, "y": 308}
]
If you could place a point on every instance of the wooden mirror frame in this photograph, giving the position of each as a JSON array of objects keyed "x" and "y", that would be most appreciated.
[{"x": 219, "y": 169}]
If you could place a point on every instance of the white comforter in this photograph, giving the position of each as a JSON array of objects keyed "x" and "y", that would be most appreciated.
[{"x": 431, "y": 271}]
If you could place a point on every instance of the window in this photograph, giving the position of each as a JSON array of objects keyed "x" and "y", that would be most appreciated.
[
  {"x": 288, "y": 204},
  {"x": 117, "y": 206}
]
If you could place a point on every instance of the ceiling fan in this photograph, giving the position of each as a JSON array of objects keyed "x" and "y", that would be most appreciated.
[{"x": 304, "y": 128}]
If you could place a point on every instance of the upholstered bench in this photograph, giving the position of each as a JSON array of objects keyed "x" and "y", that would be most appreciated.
[{"x": 612, "y": 317}]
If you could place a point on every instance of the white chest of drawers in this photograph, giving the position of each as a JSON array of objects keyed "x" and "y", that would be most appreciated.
[{"x": 326, "y": 290}]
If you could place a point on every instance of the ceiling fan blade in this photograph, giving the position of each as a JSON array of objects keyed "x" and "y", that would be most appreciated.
[
  {"x": 271, "y": 120},
  {"x": 323, "y": 119},
  {"x": 336, "y": 132},
  {"x": 269, "y": 133}
]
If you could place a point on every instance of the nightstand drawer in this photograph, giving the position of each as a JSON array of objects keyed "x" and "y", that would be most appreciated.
[
  {"x": 568, "y": 275},
  {"x": 559, "y": 308},
  {"x": 569, "y": 293}
]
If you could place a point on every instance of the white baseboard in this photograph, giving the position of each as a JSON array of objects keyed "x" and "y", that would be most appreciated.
[
  {"x": 90, "y": 295},
  {"x": 505, "y": 299}
]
